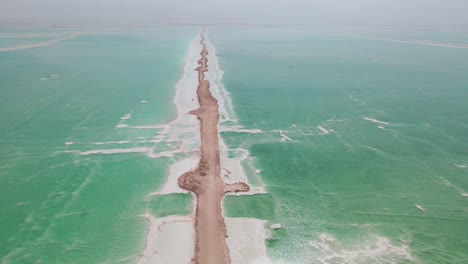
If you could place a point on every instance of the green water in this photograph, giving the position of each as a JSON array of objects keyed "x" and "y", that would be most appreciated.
[
  {"x": 350, "y": 196},
  {"x": 60, "y": 207},
  {"x": 333, "y": 183}
]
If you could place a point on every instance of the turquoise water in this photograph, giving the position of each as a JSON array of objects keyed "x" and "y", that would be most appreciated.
[
  {"x": 60, "y": 207},
  {"x": 366, "y": 192},
  {"x": 360, "y": 184}
]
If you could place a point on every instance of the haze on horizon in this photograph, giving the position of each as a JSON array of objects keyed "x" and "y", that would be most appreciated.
[{"x": 401, "y": 13}]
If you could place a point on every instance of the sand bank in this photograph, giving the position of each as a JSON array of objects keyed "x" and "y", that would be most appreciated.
[{"x": 205, "y": 181}]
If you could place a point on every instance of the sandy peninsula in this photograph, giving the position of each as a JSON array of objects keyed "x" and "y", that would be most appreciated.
[{"x": 205, "y": 180}]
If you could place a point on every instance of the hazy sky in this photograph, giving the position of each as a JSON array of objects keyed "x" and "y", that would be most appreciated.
[{"x": 432, "y": 13}]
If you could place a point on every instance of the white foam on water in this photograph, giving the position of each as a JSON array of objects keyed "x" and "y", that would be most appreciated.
[
  {"x": 43, "y": 78},
  {"x": 125, "y": 117},
  {"x": 420, "y": 208},
  {"x": 373, "y": 120},
  {"x": 456, "y": 188},
  {"x": 306, "y": 134},
  {"x": 112, "y": 142},
  {"x": 121, "y": 126},
  {"x": 246, "y": 240},
  {"x": 356, "y": 100},
  {"x": 373, "y": 149},
  {"x": 117, "y": 151},
  {"x": 283, "y": 136},
  {"x": 54, "y": 75},
  {"x": 169, "y": 240},
  {"x": 381, "y": 127},
  {"x": 147, "y": 127},
  {"x": 327, "y": 250},
  {"x": 143, "y": 101},
  {"x": 323, "y": 130},
  {"x": 69, "y": 151},
  {"x": 461, "y": 166},
  {"x": 175, "y": 171},
  {"x": 323, "y": 243},
  {"x": 237, "y": 129},
  {"x": 69, "y": 143},
  {"x": 465, "y": 194}
]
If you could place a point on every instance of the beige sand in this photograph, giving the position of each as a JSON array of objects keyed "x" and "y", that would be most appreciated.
[{"x": 205, "y": 181}]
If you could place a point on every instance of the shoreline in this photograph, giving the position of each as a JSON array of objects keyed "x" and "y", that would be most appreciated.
[{"x": 205, "y": 180}]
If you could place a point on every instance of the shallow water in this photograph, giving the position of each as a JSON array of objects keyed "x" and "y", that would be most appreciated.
[
  {"x": 374, "y": 172},
  {"x": 361, "y": 156},
  {"x": 59, "y": 207}
]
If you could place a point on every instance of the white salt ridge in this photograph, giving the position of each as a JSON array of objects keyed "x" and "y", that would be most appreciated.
[
  {"x": 125, "y": 117},
  {"x": 456, "y": 188},
  {"x": 168, "y": 153},
  {"x": 113, "y": 142},
  {"x": 143, "y": 101},
  {"x": 236, "y": 171},
  {"x": 175, "y": 171},
  {"x": 276, "y": 226},
  {"x": 461, "y": 166},
  {"x": 147, "y": 127},
  {"x": 356, "y": 100},
  {"x": 149, "y": 141},
  {"x": 69, "y": 151},
  {"x": 228, "y": 122},
  {"x": 465, "y": 194},
  {"x": 323, "y": 130},
  {"x": 375, "y": 121},
  {"x": 413, "y": 41},
  {"x": 381, "y": 127},
  {"x": 420, "y": 208},
  {"x": 240, "y": 130},
  {"x": 35, "y": 45},
  {"x": 54, "y": 75},
  {"x": 69, "y": 143},
  {"x": 246, "y": 240},
  {"x": 373, "y": 149},
  {"x": 148, "y": 151},
  {"x": 185, "y": 128},
  {"x": 117, "y": 151},
  {"x": 217, "y": 88},
  {"x": 283, "y": 136},
  {"x": 328, "y": 250},
  {"x": 169, "y": 240}
]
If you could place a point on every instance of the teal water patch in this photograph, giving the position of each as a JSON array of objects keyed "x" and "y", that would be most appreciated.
[
  {"x": 364, "y": 146},
  {"x": 67, "y": 98},
  {"x": 259, "y": 206},
  {"x": 171, "y": 204}
]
